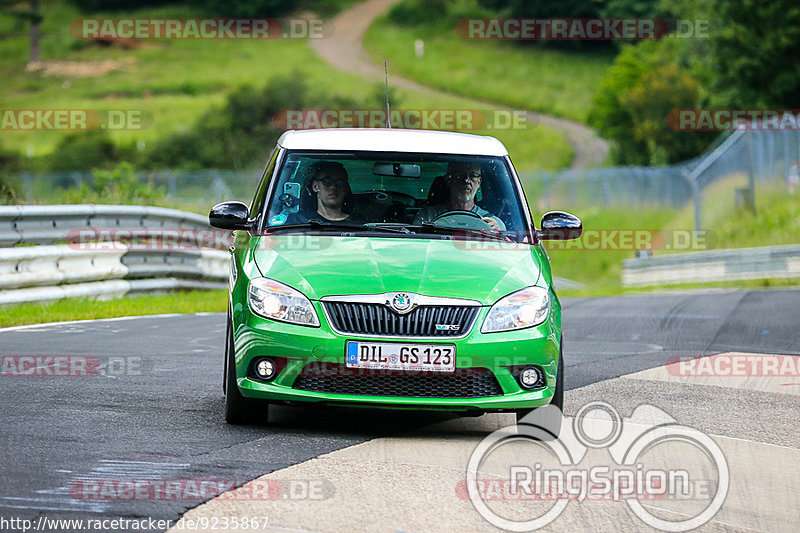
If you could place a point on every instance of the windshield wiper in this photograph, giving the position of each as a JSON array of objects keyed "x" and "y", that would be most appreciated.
[
  {"x": 335, "y": 226},
  {"x": 389, "y": 226},
  {"x": 427, "y": 227}
]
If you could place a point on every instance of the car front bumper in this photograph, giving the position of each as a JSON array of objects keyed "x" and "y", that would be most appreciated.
[{"x": 256, "y": 337}]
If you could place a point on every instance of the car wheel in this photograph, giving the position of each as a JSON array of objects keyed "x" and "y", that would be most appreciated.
[
  {"x": 225, "y": 359},
  {"x": 238, "y": 409},
  {"x": 551, "y": 422}
]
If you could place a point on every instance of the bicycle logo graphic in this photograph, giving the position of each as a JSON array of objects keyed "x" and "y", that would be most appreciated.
[{"x": 597, "y": 425}]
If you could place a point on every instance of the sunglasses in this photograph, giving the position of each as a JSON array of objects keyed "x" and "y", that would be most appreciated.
[
  {"x": 330, "y": 182},
  {"x": 466, "y": 176}
]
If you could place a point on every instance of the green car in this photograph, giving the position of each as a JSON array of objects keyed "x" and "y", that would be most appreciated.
[{"x": 394, "y": 269}]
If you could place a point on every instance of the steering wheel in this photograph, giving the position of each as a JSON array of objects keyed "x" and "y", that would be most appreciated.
[{"x": 460, "y": 218}]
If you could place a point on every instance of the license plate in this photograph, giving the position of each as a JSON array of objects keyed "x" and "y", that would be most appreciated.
[{"x": 399, "y": 356}]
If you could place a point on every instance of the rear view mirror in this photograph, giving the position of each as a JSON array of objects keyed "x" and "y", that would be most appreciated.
[
  {"x": 398, "y": 170},
  {"x": 560, "y": 226}
]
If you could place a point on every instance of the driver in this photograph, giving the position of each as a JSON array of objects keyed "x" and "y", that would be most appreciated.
[{"x": 463, "y": 181}]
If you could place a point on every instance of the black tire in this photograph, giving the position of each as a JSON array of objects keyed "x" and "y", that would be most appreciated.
[
  {"x": 225, "y": 358},
  {"x": 552, "y": 424},
  {"x": 238, "y": 409}
]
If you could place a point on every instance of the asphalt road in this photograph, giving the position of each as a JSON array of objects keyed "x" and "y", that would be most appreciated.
[{"x": 153, "y": 408}]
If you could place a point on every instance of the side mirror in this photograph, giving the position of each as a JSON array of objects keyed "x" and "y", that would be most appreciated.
[
  {"x": 560, "y": 226},
  {"x": 229, "y": 215}
]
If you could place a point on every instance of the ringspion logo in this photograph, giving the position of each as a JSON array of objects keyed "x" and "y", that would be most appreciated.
[{"x": 599, "y": 455}]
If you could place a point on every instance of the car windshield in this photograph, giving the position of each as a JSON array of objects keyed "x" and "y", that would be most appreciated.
[{"x": 396, "y": 192}]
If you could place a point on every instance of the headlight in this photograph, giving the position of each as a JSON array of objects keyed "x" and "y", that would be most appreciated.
[
  {"x": 521, "y": 309},
  {"x": 277, "y": 301}
]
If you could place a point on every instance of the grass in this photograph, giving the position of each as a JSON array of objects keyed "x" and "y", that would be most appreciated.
[
  {"x": 776, "y": 221},
  {"x": 525, "y": 77},
  {"x": 766, "y": 283},
  {"x": 85, "y": 309},
  {"x": 176, "y": 81},
  {"x": 600, "y": 270}
]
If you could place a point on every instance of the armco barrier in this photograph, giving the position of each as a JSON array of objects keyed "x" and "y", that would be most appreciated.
[
  {"x": 104, "y": 270},
  {"x": 48, "y": 224},
  {"x": 53, "y": 265},
  {"x": 713, "y": 266}
]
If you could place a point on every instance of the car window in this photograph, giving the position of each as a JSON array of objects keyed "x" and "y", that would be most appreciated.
[
  {"x": 397, "y": 189},
  {"x": 257, "y": 206}
]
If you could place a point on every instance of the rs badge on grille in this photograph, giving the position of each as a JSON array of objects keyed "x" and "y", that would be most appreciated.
[{"x": 447, "y": 327}]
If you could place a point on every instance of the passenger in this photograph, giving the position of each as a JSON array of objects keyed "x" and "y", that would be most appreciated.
[
  {"x": 327, "y": 196},
  {"x": 463, "y": 181}
]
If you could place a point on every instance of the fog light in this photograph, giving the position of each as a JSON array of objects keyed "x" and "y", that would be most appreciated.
[
  {"x": 531, "y": 377},
  {"x": 265, "y": 368}
]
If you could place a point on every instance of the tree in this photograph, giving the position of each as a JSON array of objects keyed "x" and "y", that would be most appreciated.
[
  {"x": 755, "y": 50},
  {"x": 31, "y": 15},
  {"x": 645, "y": 83},
  {"x": 659, "y": 91}
]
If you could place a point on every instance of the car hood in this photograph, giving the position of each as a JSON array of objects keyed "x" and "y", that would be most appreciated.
[{"x": 333, "y": 265}]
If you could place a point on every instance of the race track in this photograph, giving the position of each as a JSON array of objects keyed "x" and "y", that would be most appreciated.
[{"x": 153, "y": 407}]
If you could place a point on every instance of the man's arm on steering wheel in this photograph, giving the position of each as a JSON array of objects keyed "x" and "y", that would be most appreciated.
[{"x": 492, "y": 223}]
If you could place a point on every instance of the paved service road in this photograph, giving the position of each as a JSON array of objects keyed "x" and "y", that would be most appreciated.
[{"x": 153, "y": 408}]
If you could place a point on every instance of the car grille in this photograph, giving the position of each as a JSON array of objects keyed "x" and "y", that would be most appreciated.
[
  {"x": 338, "y": 379},
  {"x": 377, "y": 319}
]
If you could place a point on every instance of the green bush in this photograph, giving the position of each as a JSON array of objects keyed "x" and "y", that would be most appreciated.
[
  {"x": 418, "y": 12},
  {"x": 118, "y": 186},
  {"x": 240, "y": 134},
  {"x": 438, "y": 15},
  {"x": 85, "y": 150},
  {"x": 659, "y": 91},
  {"x": 89, "y": 6},
  {"x": 645, "y": 83},
  {"x": 10, "y": 163},
  {"x": 219, "y": 8}
]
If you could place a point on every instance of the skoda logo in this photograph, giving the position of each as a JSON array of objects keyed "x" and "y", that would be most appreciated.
[{"x": 401, "y": 302}]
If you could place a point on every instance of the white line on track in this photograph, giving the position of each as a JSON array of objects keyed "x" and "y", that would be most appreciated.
[{"x": 115, "y": 319}]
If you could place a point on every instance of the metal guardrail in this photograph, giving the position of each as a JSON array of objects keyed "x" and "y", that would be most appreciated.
[
  {"x": 713, "y": 266},
  {"x": 744, "y": 158},
  {"x": 108, "y": 268},
  {"x": 47, "y": 224}
]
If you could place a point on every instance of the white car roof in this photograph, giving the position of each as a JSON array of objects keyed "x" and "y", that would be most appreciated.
[{"x": 392, "y": 140}]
